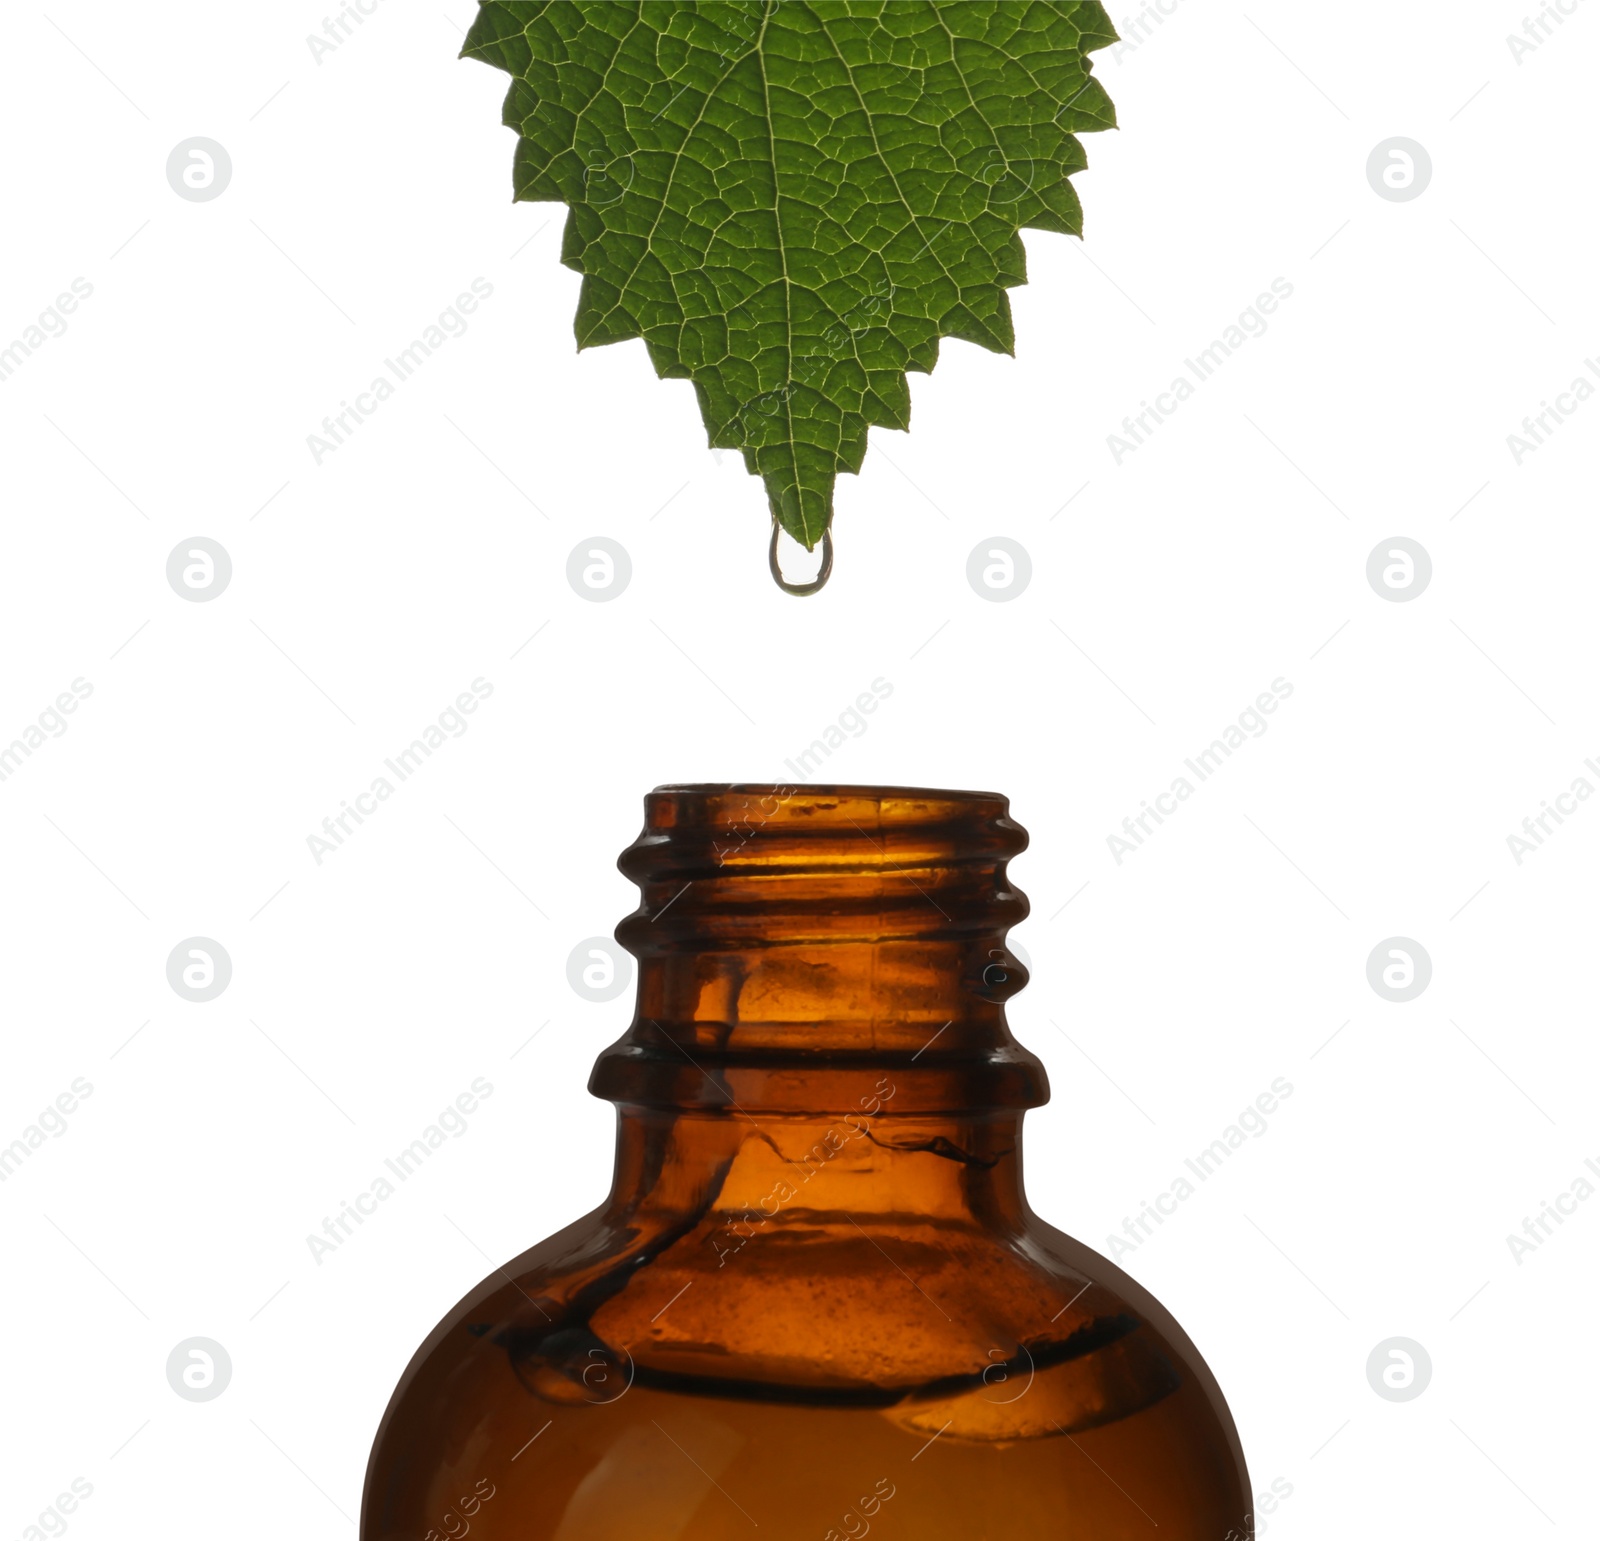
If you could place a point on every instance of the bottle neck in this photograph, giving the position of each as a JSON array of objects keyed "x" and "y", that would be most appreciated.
[
  {"x": 876, "y": 1168},
  {"x": 800, "y": 949}
]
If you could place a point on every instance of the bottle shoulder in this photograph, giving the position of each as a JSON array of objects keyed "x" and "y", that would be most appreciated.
[
  {"x": 625, "y": 1354},
  {"x": 926, "y": 1321}
]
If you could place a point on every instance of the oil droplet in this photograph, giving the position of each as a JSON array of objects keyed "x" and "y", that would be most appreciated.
[{"x": 824, "y": 572}]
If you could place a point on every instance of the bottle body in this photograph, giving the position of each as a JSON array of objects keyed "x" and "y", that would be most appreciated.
[{"x": 816, "y": 1300}]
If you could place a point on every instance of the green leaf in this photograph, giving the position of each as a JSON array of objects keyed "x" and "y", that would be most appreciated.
[{"x": 792, "y": 201}]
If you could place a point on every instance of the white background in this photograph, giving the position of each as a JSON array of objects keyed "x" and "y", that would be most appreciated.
[{"x": 371, "y": 188}]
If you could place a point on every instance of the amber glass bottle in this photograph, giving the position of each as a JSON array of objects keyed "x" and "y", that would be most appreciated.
[{"x": 816, "y": 1302}]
